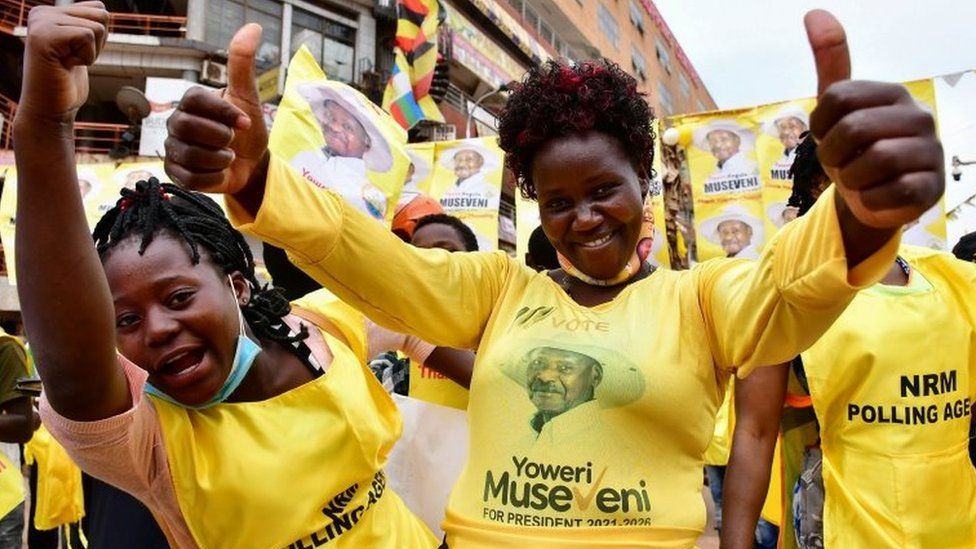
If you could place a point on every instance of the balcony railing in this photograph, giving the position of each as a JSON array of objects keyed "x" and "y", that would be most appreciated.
[
  {"x": 13, "y": 14},
  {"x": 90, "y": 137},
  {"x": 101, "y": 138},
  {"x": 147, "y": 25},
  {"x": 7, "y": 109}
]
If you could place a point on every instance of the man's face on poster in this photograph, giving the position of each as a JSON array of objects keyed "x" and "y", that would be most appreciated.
[
  {"x": 560, "y": 380},
  {"x": 734, "y": 236},
  {"x": 344, "y": 134},
  {"x": 723, "y": 144},
  {"x": 789, "y": 129},
  {"x": 467, "y": 163}
]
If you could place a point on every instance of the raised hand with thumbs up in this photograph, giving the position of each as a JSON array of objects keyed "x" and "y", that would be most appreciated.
[
  {"x": 218, "y": 140},
  {"x": 876, "y": 143}
]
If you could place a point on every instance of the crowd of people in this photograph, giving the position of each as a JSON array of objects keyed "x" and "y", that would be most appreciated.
[{"x": 214, "y": 410}]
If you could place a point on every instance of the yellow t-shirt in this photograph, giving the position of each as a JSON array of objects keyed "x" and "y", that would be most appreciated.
[
  {"x": 320, "y": 447},
  {"x": 588, "y": 425},
  {"x": 893, "y": 386},
  {"x": 720, "y": 447}
]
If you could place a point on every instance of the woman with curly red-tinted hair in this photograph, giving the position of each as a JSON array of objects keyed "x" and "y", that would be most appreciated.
[{"x": 596, "y": 385}]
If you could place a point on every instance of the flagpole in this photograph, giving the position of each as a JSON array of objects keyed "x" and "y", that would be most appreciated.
[{"x": 467, "y": 125}]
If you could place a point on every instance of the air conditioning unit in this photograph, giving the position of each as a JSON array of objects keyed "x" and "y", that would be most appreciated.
[{"x": 214, "y": 73}]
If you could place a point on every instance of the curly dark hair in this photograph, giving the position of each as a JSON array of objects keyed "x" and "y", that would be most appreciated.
[
  {"x": 155, "y": 208},
  {"x": 807, "y": 174},
  {"x": 555, "y": 100},
  {"x": 465, "y": 232}
]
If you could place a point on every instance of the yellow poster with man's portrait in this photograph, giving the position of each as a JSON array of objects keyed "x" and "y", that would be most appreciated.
[
  {"x": 336, "y": 138},
  {"x": 526, "y": 222},
  {"x": 99, "y": 185},
  {"x": 467, "y": 181},
  {"x": 726, "y": 185},
  {"x": 930, "y": 229},
  {"x": 780, "y": 128}
]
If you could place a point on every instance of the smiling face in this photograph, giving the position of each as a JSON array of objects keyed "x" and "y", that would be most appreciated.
[
  {"x": 590, "y": 201},
  {"x": 560, "y": 380},
  {"x": 344, "y": 134},
  {"x": 789, "y": 129},
  {"x": 723, "y": 144},
  {"x": 734, "y": 235},
  {"x": 467, "y": 163},
  {"x": 176, "y": 320}
]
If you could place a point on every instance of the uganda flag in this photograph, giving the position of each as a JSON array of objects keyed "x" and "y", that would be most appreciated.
[{"x": 407, "y": 96}]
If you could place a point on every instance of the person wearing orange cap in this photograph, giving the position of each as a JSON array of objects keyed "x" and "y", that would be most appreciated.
[{"x": 410, "y": 212}]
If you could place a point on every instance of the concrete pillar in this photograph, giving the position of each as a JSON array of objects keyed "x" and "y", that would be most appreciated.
[
  {"x": 364, "y": 56},
  {"x": 196, "y": 24},
  {"x": 286, "y": 15}
]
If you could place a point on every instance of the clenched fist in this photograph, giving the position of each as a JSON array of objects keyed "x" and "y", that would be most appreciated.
[{"x": 61, "y": 43}]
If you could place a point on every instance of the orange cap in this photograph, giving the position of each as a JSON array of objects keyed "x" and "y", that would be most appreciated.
[{"x": 406, "y": 217}]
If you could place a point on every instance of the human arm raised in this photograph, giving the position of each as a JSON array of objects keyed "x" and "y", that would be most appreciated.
[{"x": 64, "y": 296}]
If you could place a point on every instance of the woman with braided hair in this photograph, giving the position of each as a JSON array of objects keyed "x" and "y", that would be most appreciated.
[{"x": 169, "y": 371}]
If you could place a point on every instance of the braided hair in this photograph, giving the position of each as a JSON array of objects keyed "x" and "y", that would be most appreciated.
[
  {"x": 807, "y": 173},
  {"x": 153, "y": 208}
]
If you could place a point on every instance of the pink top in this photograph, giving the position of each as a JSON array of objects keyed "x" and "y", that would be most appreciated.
[{"x": 127, "y": 450}]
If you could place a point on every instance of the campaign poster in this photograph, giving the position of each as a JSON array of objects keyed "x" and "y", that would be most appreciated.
[
  {"x": 100, "y": 186},
  {"x": 164, "y": 94},
  {"x": 337, "y": 139},
  {"x": 467, "y": 181},
  {"x": 780, "y": 125},
  {"x": 930, "y": 229},
  {"x": 526, "y": 222},
  {"x": 726, "y": 186},
  {"x": 956, "y": 99}
]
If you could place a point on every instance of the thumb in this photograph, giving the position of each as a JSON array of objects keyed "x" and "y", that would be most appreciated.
[
  {"x": 829, "y": 44},
  {"x": 240, "y": 63}
]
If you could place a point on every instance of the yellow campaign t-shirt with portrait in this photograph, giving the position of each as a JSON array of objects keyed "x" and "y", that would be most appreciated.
[
  {"x": 893, "y": 386},
  {"x": 622, "y": 468}
]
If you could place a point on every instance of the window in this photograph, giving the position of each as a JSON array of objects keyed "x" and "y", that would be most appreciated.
[
  {"x": 638, "y": 64},
  {"x": 608, "y": 25},
  {"x": 663, "y": 56},
  {"x": 545, "y": 31},
  {"x": 224, "y": 17},
  {"x": 701, "y": 106},
  {"x": 667, "y": 102},
  {"x": 684, "y": 85},
  {"x": 637, "y": 16},
  {"x": 331, "y": 43},
  {"x": 517, "y": 4},
  {"x": 531, "y": 18}
]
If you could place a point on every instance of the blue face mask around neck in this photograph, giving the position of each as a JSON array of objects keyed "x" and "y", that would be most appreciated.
[{"x": 247, "y": 351}]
